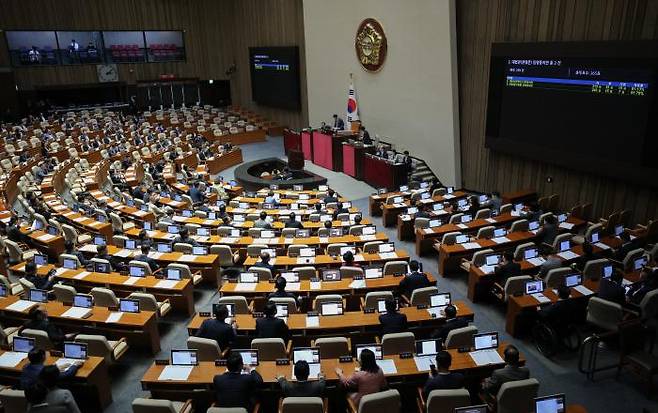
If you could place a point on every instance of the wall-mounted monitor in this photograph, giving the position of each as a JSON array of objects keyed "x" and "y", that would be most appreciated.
[
  {"x": 32, "y": 48},
  {"x": 80, "y": 47},
  {"x": 124, "y": 47},
  {"x": 164, "y": 46},
  {"x": 275, "y": 76}
]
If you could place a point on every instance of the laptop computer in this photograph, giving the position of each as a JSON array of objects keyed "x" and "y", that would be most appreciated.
[
  {"x": 248, "y": 277},
  {"x": 307, "y": 252},
  {"x": 83, "y": 301},
  {"x": 534, "y": 287},
  {"x": 281, "y": 311},
  {"x": 466, "y": 218},
  {"x": 335, "y": 232},
  {"x": 551, "y": 404},
  {"x": 3, "y": 290},
  {"x": 331, "y": 274},
  {"x": 499, "y": 232},
  {"x": 249, "y": 356},
  {"x": 533, "y": 225},
  {"x": 481, "y": 408},
  {"x": 331, "y": 308},
  {"x": 184, "y": 358},
  {"x": 428, "y": 348},
  {"x": 440, "y": 300},
  {"x": 163, "y": 247},
  {"x": 101, "y": 267},
  {"x": 493, "y": 259},
  {"x": 203, "y": 232},
  {"x": 173, "y": 229},
  {"x": 199, "y": 250},
  {"x": 375, "y": 348},
  {"x": 23, "y": 344},
  {"x": 530, "y": 253},
  {"x": 38, "y": 296},
  {"x": 99, "y": 240},
  {"x": 40, "y": 259},
  {"x": 573, "y": 280},
  {"x": 595, "y": 237},
  {"x": 136, "y": 271},
  {"x": 70, "y": 263},
  {"x": 640, "y": 262},
  {"x": 73, "y": 350},
  {"x": 290, "y": 276},
  {"x": 302, "y": 233},
  {"x": 173, "y": 274},
  {"x": 130, "y": 244},
  {"x": 128, "y": 305},
  {"x": 461, "y": 239},
  {"x": 565, "y": 245},
  {"x": 485, "y": 342},
  {"x": 351, "y": 249},
  {"x": 311, "y": 355}
]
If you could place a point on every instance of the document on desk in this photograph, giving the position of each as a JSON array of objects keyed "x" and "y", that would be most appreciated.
[
  {"x": 293, "y": 286},
  {"x": 428, "y": 230},
  {"x": 356, "y": 284},
  {"x": 566, "y": 225},
  {"x": 166, "y": 284},
  {"x": 541, "y": 298},
  {"x": 537, "y": 261},
  {"x": 490, "y": 220},
  {"x": 113, "y": 317},
  {"x": 470, "y": 245},
  {"x": 60, "y": 271},
  {"x": 312, "y": 321},
  {"x": 245, "y": 286},
  {"x": 45, "y": 237},
  {"x": 176, "y": 373},
  {"x": 367, "y": 237},
  {"x": 436, "y": 312},
  {"x": 89, "y": 248},
  {"x": 21, "y": 306},
  {"x": 316, "y": 285},
  {"x": 401, "y": 205},
  {"x": 602, "y": 246},
  {"x": 359, "y": 257},
  {"x": 487, "y": 269},
  {"x": 387, "y": 366},
  {"x": 11, "y": 358},
  {"x": 583, "y": 290},
  {"x": 324, "y": 240},
  {"x": 568, "y": 255},
  {"x": 228, "y": 240},
  {"x": 187, "y": 257},
  {"x": 76, "y": 312},
  {"x": 461, "y": 226},
  {"x": 388, "y": 255},
  {"x": 500, "y": 240},
  {"x": 155, "y": 255},
  {"x": 131, "y": 281},
  {"x": 448, "y": 196},
  {"x": 484, "y": 357},
  {"x": 423, "y": 363},
  {"x": 306, "y": 260}
]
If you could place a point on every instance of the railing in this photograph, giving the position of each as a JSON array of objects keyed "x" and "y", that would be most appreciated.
[{"x": 589, "y": 355}]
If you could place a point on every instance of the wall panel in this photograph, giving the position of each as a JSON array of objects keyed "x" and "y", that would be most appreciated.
[{"x": 482, "y": 22}]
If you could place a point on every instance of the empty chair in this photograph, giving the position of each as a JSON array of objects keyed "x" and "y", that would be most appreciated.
[
  {"x": 207, "y": 349},
  {"x": 7, "y": 335},
  {"x": 118, "y": 224},
  {"x": 446, "y": 401},
  {"x": 64, "y": 293},
  {"x": 333, "y": 347},
  {"x": 486, "y": 232},
  {"x": 183, "y": 247},
  {"x": 483, "y": 214},
  {"x": 147, "y": 302},
  {"x": 11, "y": 287},
  {"x": 293, "y": 250},
  {"x": 517, "y": 396},
  {"x": 302, "y": 405},
  {"x": 519, "y": 226},
  {"x": 254, "y": 250},
  {"x": 460, "y": 337},
  {"x": 450, "y": 238},
  {"x": 104, "y": 297},
  {"x": 13, "y": 401},
  {"x": 325, "y": 298},
  {"x": 396, "y": 343},
  {"x": 71, "y": 234},
  {"x": 264, "y": 274},
  {"x": 373, "y": 297},
  {"x": 514, "y": 286},
  {"x": 395, "y": 267},
  {"x": 141, "y": 405},
  {"x": 270, "y": 349},
  {"x": 305, "y": 273},
  {"x": 347, "y": 271},
  {"x": 42, "y": 341},
  {"x": 421, "y": 296},
  {"x": 288, "y": 301},
  {"x": 387, "y": 401},
  {"x": 185, "y": 273},
  {"x": 100, "y": 346},
  {"x": 334, "y": 249},
  {"x": 555, "y": 277},
  {"x": 456, "y": 218},
  {"x": 604, "y": 314},
  {"x": 239, "y": 302},
  {"x": 226, "y": 257},
  {"x": 371, "y": 247},
  {"x": 594, "y": 269},
  {"x": 16, "y": 254}
]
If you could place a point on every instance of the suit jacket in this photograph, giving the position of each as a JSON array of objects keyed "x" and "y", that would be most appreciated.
[
  {"x": 448, "y": 326},
  {"x": 294, "y": 224},
  {"x": 612, "y": 291},
  {"x": 153, "y": 264},
  {"x": 412, "y": 282},
  {"x": 503, "y": 272},
  {"x": 443, "y": 382},
  {"x": 271, "y": 327},
  {"x": 260, "y": 223},
  {"x": 187, "y": 240},
  {"x": 548, "y": 233},
  {"x": 47, "y": 408},
  {"x": 393, "y": 323},
  {"x": 550, "y": 264},
  {"x": 329, "y": 199},
  {"x": 502, "y": 376},
  {"x": 302, "y": 388},
  {"x": 270, "y": 267},
  {"x": 235, "y": 389},
  {"x": 62, "y": 398},
  {"x": 30, "y": 374},
  {"x": 217, "y": 330}
]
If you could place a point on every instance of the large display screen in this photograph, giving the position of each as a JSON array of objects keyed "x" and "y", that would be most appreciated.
[
  {"x": 32, "y": 48},
  {"x": 588, "y": 106},
  {"x": 275, "y": 76}
]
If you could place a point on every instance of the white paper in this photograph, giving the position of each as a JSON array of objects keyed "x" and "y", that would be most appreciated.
[
  {"x": 114, "y": 317},
  {"x": 316, "y": 285},
  {"x": 470, "y": 245},
  {"x": 358, "y": 284},
  {"x": 500, "y": 240},
  {"x": 324, "y": 240},
  {"x": 11, "y": 359},
  {"x": 64, "y": 362},
  {"x": 245, "y": 287},
  {"x": 423, "y": 363},
  {"x": 387, "y": 366},
  {"x": 89, "y": 248},
  {"x": 448, "y": 196},
  {"x": 368, "y": 237},
  {"x": 76, "y": 312},
  {"x": 178, "y": 373},
  {"x": 306, "y": 260},
  {"x": 228, "y": 240},
  {"x": 61, "y": 270},
  {"x": 359, "y": 257},
  {"x": 490, "y": 220},
  {"x": 314, "y": 370},
  {"x": 428, "y": 230},
  {"x": 537, "y": 261},
  {"x": 583, "y": 290},
  {"x": 131, "y": 281},
  {"x": 45, "y": 237},
  {"x": 123, "y": 253},
  {"x": 487, "y": 269},
  {"x": 484, "y": 357},
  {"x": 437, "y": 312},
  {"x": 541, "y": 298},
  {"x": 20, "y": 306},
  {"x": 566, "y": 225},
  {"x": 568, "y": 255},
  {"x": 602, "y": 246},
  {"x": 155, "y": 255},
  {"x": 462, "y": 226},
  {"x": 293, "y": 286},
  {"x": 388, "y": 255},
  {"x": 312, "y": 321},
  {"x": 168, "y": 284},
  {"x": 187, "y": 257}
]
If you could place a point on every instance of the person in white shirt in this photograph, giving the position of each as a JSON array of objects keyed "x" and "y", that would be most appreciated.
[{"x": 33, "y": 55}]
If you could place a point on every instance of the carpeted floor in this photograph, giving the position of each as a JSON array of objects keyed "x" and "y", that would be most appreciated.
[{"x": 555, "y": 376}]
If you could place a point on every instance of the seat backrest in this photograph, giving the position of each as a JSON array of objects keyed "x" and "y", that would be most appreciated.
[
  {"x": 97, "y": 345},
  {"x": 289, "y": 301},
  {"x": 41, "y": 338},
  {"x": 141, "y": 405},
  {"x": 347, "y": 271},
  {"x": 207, "y": 349},
  {"x": 371, "y": 247},
  {"x": 395, "y": 267},
  {"x": 141, "y": 264},
  {"x": 421, "y": 223},
  {"x": 555, "y": 277},
  {"x": 13, "y": 401},
  {"x": 333, "y": 347},
  {"x": 254, "y": 250},
  {"x": 64, "y": 293},
  {"x": 227, "y": 410},
  {"x": 305, "y": 273},
  {"x": 460, "y": 337},
  {"x": 449, "y": 238},
  {"x": 421, "y": 296},
  {"x": 147, "y": 302},
  {"x": 302, "y": 405},
  {"x": 649, "y": 305},
  {"x": 225, "y": 254},
  {"x": 293, "y": 250},
  {"x": 374, "y": 296},
  {"x": 517, "y": 396},
  {"x": 486, "y": 232},
  {"x": 519, "y": 225},
  {"x": 604, "y": 314},
  {"x": 520, "y": 250},
  {"x": 594, "y": 269},
  {"x": 396, "y": 343},
  {"x": 325, "y": 298},
  {"x": 483, "y": 214},
  {"x": 183, "y": 247},
  {"x": 104, "y": 297},
  {"x": 446, "y": 401},
  {"x": 387, "y": 401},
  {"x": 630, "y": 258},
  {"x": 515, "y": 285},
  {"x": 456, "y": 218},
  {"x": 269, "y": 349},
  {"x": 479, "y": 257},
  {"x": 264, "y": 274},
  {"x": 184, "y": 269},
  {"x": 240, "y": 305},
  {"x": 334, "y": 249}
]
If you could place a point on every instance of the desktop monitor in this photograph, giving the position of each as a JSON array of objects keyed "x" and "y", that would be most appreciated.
[
  {"x": 136, "y": 271},
  {"x": 606, "y": 271},
  {"x": 530, "y": 253},
  {"x": 375, "y": 348},
  {"x": 38, "y": 296},
  {"x": 99, "y": 240},
  {"x": 485, "y": 341},
  {"x": 573, "y": 280},
  {"x": 184, "y": 358},
  {"x": 500, "y": 232},
  {"x": 101, "y": 267},
  {"x": 173, "y": 229},
  {"x": 83, "y": 301},
  {"x": 387, "y": 247},
  {"x": 203, "y": 232},
  {"x": 40, "y": 259},
  {"x": 249, "y": 356},
  {"x": 534, "y": 287},
  {"x": 440, "y": 300},
  {"x": 311, "y": 355},
  {"x": 331, "y": 308},
  {"x": 173, "y": 274},
  {"x": 331, "y": 274},
  {"x": 493, "y": 259},
  {"x": 482, "y": 408},
  {"x": 551, "y": 404},
  {"x": 163, "y": 247},
  {"x": 429, "y": 347},
  {"x": 128, "y": 305},
  {"x": 130, "y": 244},
  {"x": 248, "y": 277},
  {"x": 368, "y": 230},
  {"x": 74, "y": 350},
  {"x": 70, "y": 263},
  {"x": 199, "y": 250},
  {"x": 23, "y": 344}
]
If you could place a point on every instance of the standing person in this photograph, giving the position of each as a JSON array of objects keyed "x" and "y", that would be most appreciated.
[{"x": 217, "y": 329}]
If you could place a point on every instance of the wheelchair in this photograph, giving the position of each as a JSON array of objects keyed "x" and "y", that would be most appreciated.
[{"x": 550, "y": 340}]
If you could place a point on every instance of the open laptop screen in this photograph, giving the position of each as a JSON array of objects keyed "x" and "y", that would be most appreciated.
[{"x": 485, "y": 341}]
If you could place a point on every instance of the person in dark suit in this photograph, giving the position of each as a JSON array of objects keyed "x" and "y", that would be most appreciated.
[
  {"x": 511, "y": 372},
  {"x": 280, "y": 285},
  {"x": 414, "y": 280},
  {"x": 217, "y": 329},
  {"x": 56, "y": 396},
  {"x": 508, "y": 268},
  {"x": 196, "y": 194},
  {"x": 365, "y": 135},
  {"x": 38, "y": 320},
  {"x": 14, "y": 230},
  {"x": 302, "y": 387},
  {"x": 611, "y": 289},
  {"x": 648, "y": 282},
  {"x": 144, "y": 257},
  {"x": 184, "y": 236},
  {"x": 35, "y": 396},
  {"x": 423, "y": 210},
  {"x": 588, "y": 255},
  {"x": 234, "y": 389},
  {"x": 443, "y": 378},
  {"x": 627, "y": 245},
  {"x": 452, "y": 322},
  {"x": 270, "y": 326},
  {"x": 331, "y": 197},
  {"x": 558, "y": 314},
  {"x": 338, "y": 122},
  {"x": 293, "y": 223},
  {"x": 265, "y": 263},
  {"x": 69, "y": 248},
  {"x": 32, "y": 370},
  {"x": 392, "y": 321},
  {"x": 548, "y": 231},
  {"x": 115, "y": 264},
  {"x": 41, "y": 283}
]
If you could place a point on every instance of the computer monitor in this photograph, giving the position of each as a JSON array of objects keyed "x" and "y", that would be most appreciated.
[
  {"x": 434, "y": 223},
  {"x": 136, "y": 271},
  {"x": 229, "y": 307},
  {"x": 562, "y": 218},
  {"x": 351, "y": 249},
  {"x": 243, "y": 205},
  {"x": 238, "y": 218},
  {"x": 144, "y": 208},
  {"x": 187, "y": 213},
  {"x": 335, "y": 232},
  {"x": 249, "y": 356},
  {"x": 534, "y": 287},
  {"x": 303, "y": 233},
  {"x": 573, "y": 280},
  {"x": 40, "y": 259},
  {"x": 381, "y": 306},
  {"x": 450, "y": 189},
  {"x": 163, "y": 247},
  {"x": 130, "y": 202},
  {"x": 199, "y": 250},
  {"x": 331, "y": 308},
  {"x": 178, "y": 197},
  {"x": 437, "y": 207},
  {"x": 493, "y": 259},
  {"x": 325, "y": 218},
  {"x": 440, "y": 300},
  {"x": 83, "y": 301},
  {"x": 298, "y": 187},
  {"x": 640, "y": 262},
  {"x": 375, "y": 348},
  {"x": 148, "y": 225},
  {"x": 128, "y": 306},
  {"x": 619, "y": 229},
  {"x": 173, "y": 274},
  {"x": 266, "y": 233},
  {"x": 99, "y": 240},
  {"x": 248, "y": 277},
  {"x": 424, "y": 185},
  {"x": 551, "y": 404},
  {"x": 311, "y": 355},
  {"x": 203, "y": 232},
  {"x": 412, "y": 210},
  {"x": 101, "y": 267},
  {"x": 211, "y": 215},
  {"x": 499, "y": 232},
  {"x": 184, "y": 358},
  {"x": 485, "y": 341},
  {"x": 173, "y": 229},
  {"x": 373, "y": 272},
  {"x": 307, "y": 252},
  {"x": 483, "y": 199},
  {"x": 268, "y": 206},
  {"x": 398, "y": 199},
  {"x": 281, "y": 310},
  {"x": 595, "y": 237},
  {"x": 130, "y": 244},
  {"x": 290, "y": 276},
  {"x": 429, "y": 347},
  {"x": 606, "y": 271},
  {"x": 481, "y": 408},
  {"x": 462, "y": 203},
  {"x": 530, "y": 253},
  {"x": 74, "y": 350},
  {"x": 3, "y": 290},
  {"x": 70, "y": 263},
  {"x": 23, "y": 344},
  {"x": 235, "y": 233},
  {"x": 38, "y": 296},
  {"x": 37, "y": 224},
  {"x": 369, "y": 230},
  {"x": 386, "y": 247},
  {"x": 461, "y": 239},
  {"x": 565, "y": 245},
  {"x": 533, "y": 225},
  {"x": 466, "y": 218},
  {"x": 51, "y": 230},
  {"x": 331, "y": 274},
  {"x": 425, "y": 195}
]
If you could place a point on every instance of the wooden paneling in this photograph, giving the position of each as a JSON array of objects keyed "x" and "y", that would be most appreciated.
[
  {"x": 217, "y": 34},
  {"x": 482, "y": 22}
]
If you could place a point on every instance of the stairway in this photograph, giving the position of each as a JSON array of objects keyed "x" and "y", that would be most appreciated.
[{"x": 421, "y": 172}]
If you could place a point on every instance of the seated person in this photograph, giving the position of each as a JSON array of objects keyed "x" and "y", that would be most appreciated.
[
  {"x": 558, "y": 314},
  {"x": 452, "y": 322},
  {"x": 320, "y": 209},
  {"x": 340, "y": 210},
  {"x": 612, "y": 289},
  {"x": 217, "y": 329},
  {"x": 551, "y": 262},
  {"x": 627, "y": 245},
  {"x": 38, "y": 320},
  {"x": 234, "y": 389},
  {"x": 368, "y": 379},
  {"x": 442, "y": 378},
  {"x": 184, "y": 236},
  {"x": 32, "y": 370},
  {"x": 144, "y": 257},
  {"x": 392, "y": 321},
  {"x": 270, "y": 198},
  {"x": 265, "y": 263},
  {"x": 69, "y": 248},
  {"x": 302, "y": 387},
  {"x": 548, "y": 231},
  {"x": 280, "y": 285},
  {"x": 348, "y": 260},
  {"x": 115, "y": 264},
  {"x": 414, "y": 280},
  {"x": 56, "y": 396},
  {"x": 262, "y": 221},
  {"x": 43, "y": 283},
  {"x": 270, "y": 326},
  {"x": 293, "y": 223},
  {"x": 508, "y": 268},
  {"x": 648, "y": 282},
  {"x": 588, "y": 255},
  {"x": 331, "y": 197},
  {"x": 511, "y": 372}
]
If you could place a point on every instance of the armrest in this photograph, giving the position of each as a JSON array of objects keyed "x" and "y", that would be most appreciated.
[
  {"x": 405, "y": 299},
  {"x": 325, "y": 405},
  {"x": 363, "y": 303},
  {"x": 226, "y": 352},
  {"x": 350, "y": 405},
  {"x": 420, "y": 400},
  {"x": 377, "y": 340},
  {"x": 157, "y": 273},
  {"x": 257, "y": 407},
  {"x": 196, "y": 273},
  {"x": 349, "y": 344},
  {"x": 251, "y": 306},
  {"x": 187, "y": 405},
  {"x": 289, "y": 347}
]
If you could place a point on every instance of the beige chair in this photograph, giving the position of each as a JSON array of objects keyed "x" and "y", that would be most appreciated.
[
  {"x": 520, "y": 226},
  {"x": 100, "y": 346},
  {"x": 264, "y": 274},
  {"x": 460, "y": 337},
  {"x": 356, "y": 230},
  {"x": 486, "y": 232},
  {"x": 395, "y": 267},
  {"x": 71, "y": 234},
  {"x": 421, "y": 296},
  {"x": 143, "y": 265},
  {"x": 293, "y": 250},
  {"x": 373, "y": 297},
  {"x": 519, "y": 252},
  {"x": 186, "y": 273},
  {"x": 555, "y": 277},
  {"x": 26, "y": 284},
  {"x": 16, "y": 254},
  {"x": 515, "y": 285},
  {"x": 443, "y": 401},
  {"x": 147, "y": 302},
  {"x": 347, "y": 271},
  {"x": 183, "y": 247},
  {"x": 226, "y": 256},
  {"x": 240, "y": 305},
  {"x": 333, "y": 347},
  {"x": 270, "y": 349},
  {"x": 479, "y": 259},
  {"x": 302, "y": 405},
  {"x": 325, "y": 298},
  {"x": 13, "y": 288},
  {"x": 396, "y": 343},
  {"x": 288, "y": 301},
  {"x": 450, "y": 238},
  {"x": 629, "y": 260},
  {"x": 254, "y": 250},
  {"x": 42, "y": 341},
  {"x": 230, "y": 410},
  {"x": 334, "y": 249},
  {"x": 517, "y": 396},
  {"x": 64, "y": 293},
  {"x": 118, "y": 224},
  {"x": 104, "y": 297},
  {"x": 604, "y": 314},
  {"x": 305, "y": 273},
  {"x": 456, "y": 218},
  {"x": 13, "y": 401},
  {"x": 371, "y": 247},
  {"x": 559, "y": 239},
  {"x": 387, "y": 401},
  {"x": 207, "y": 349},
  {"x": 7, "y": 335},
  {"x": 141, "y": 405},
  {"x": 483, "y": 214}
]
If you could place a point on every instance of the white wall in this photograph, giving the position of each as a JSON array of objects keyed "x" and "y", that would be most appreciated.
[{"x": 412, "y": 100}]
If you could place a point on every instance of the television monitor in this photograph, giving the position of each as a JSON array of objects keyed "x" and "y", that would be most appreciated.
[{"x": 275, "y": 76}]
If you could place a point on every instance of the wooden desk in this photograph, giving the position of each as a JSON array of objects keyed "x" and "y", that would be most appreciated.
[
  {"x": 140, "y": 329},
  {"x": 349, "y": 321},
  {"x": 376, "y": 201},
  {"x": 390, "y": 212},
  {"x": 82, "y": 222},
  {"x": 381, "y": 173},
  {"x": 53, "y": 245},
  {"x": 132, "y": 213},
  {"x": 328, "y": 261},
  {"x": 224, "y": 160},
  {"x": 524, "y": 195},
  {"x": 93, "y": 373}
]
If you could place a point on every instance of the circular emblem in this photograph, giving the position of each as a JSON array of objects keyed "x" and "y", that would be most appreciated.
[{"x": 370, "y": 45}]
